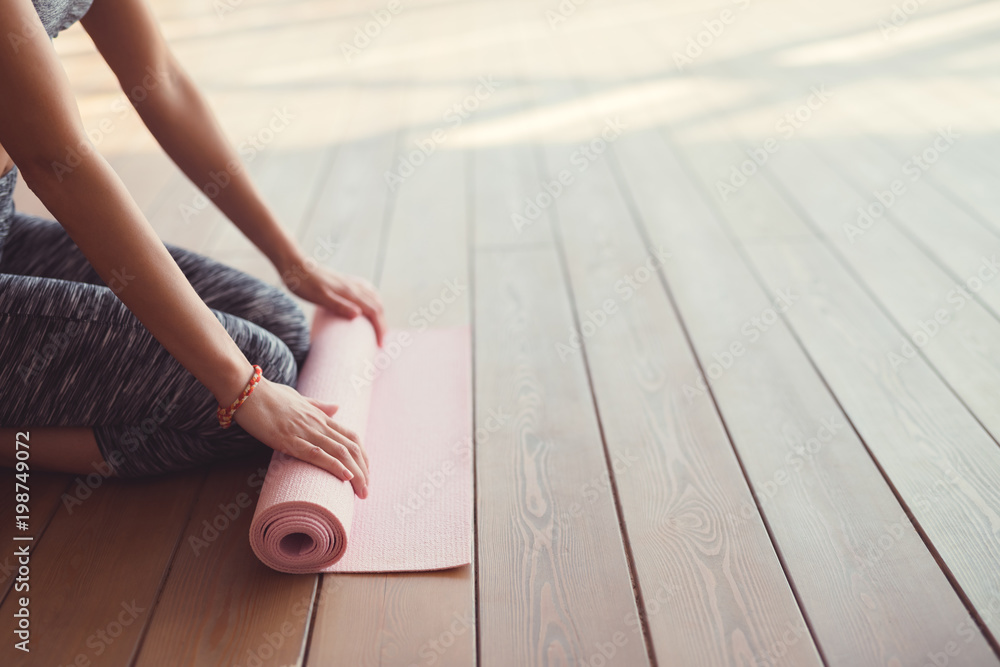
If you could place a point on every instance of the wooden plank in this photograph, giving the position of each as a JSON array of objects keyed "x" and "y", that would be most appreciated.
[
  {"x": 538, "y": 599},
  {"x": 289, "y": 183},
  {"x": 45, "y": 492},
  {"x": 896, "y": 426},
  {"x": 553, "y": 578},
  {"x": 899, "y": 193},
  {"x": 427, "y": 246},
  {"x": 701, "y": 550},
  {"x": 951, "y": 100},
  {"x": 144, "y": 175},
  {"x": 670, "y": 503},
  {"x": 507, "y": 182},
  {"x": 910, "y": 287},
  {"x": 824, "y": 500},
  {"x": 96, "y": 575},
  {"x": 344, "y": 228},
  {"x": 941, "y": 462}
]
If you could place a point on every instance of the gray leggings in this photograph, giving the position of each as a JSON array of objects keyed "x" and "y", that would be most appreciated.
[{"x": 71, "y": 354}]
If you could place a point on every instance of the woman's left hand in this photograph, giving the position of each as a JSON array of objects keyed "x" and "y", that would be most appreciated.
[{"x": 344, "y": 295}]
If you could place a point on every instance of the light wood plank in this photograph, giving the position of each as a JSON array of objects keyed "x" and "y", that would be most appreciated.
[
  {"x": 553, "y": 578},
  {"x": 824, "y": 499},
  {"x": 911, "y": 288},
  {"x": 942, "y": 463},
  {"x": 701, "y": 549},
  {"x": 898, "y": 192}
]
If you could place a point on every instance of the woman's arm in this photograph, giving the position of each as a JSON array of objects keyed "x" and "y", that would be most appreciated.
[
  {"x": 39, "y": 125},
  {"x": 176, "y": 113}
]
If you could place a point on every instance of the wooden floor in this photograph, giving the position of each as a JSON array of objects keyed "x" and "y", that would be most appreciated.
[{"x": 732, "y": 275}]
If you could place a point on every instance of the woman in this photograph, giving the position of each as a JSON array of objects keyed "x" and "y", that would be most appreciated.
[{"x": 114, "y": 346}]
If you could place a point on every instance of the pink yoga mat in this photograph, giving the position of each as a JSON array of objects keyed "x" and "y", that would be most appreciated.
[{"x": 409, "y": 402}]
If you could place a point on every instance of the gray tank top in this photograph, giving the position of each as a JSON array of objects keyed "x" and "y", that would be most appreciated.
[{"x": 56, "y": 16}]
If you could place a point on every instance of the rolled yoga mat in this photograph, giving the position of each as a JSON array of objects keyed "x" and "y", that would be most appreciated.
[{"x": 410, "y": 404}]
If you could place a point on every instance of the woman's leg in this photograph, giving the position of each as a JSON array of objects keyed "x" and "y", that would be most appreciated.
[
  {"x": 42, "y": 248},
  {"x": 70, "y": 449},
  {"x": 73, "y": 355}
]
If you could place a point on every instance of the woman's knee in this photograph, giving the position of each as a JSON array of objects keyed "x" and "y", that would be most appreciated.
[
  {"x": 263, "y": 348},
  {"x": 278, "y": 313},
  {"x": 232, "y": 291}
]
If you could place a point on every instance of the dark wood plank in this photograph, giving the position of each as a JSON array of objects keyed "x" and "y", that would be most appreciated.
[
  {"x": 96, "y": 575},
  {"x": 46, "y": 490}
]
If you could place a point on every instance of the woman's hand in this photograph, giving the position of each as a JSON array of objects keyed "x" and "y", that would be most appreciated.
[
  {"x": 286, "y": 421},
  {"x": 345, "y": 295}
]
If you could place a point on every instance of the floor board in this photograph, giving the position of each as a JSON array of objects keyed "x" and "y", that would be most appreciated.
[
  {"x": 553, "y": 579},
  {"x": 700, "y": 548},
  {"x": 822, "y": 475}
]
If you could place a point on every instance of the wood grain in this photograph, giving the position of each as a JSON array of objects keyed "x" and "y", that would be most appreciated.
[
  {"x": 96, "y": 574},
  {"x": 941, "y": 462},
  {"x": 910, "y": 287},
  {"x": 46, "y": 491},
  {"x": 699, "y": 544},
  {"x": 553, "y": 579},
  {"x": 824, "y": 499}
]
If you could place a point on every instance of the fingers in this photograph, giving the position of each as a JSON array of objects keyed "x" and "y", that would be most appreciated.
[
  {"x": 342, "y": 306},
  {"x": 342, "y": 459},
  {"x": 319, "y": 457},
  {"x": 349, "y": 455},
  {"x": 329, "y": 409},
  {"x": 341, "y": 434},
  {"x": 280, "y": 418},
  {"x": 365, "y": 297},
  {"x": 350, "y": 439},
  {"x": 372, "y": 307},
  {"x": 345, "y": 445}
]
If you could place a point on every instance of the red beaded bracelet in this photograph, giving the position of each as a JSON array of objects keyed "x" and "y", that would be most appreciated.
[{"x": 226, "y": 414}]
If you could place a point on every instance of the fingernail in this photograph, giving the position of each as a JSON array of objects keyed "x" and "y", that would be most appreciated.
[{"x": 348, "y": 476}]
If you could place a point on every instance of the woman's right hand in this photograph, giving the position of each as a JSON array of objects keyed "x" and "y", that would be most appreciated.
[{"x": 286, "y": 421}]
